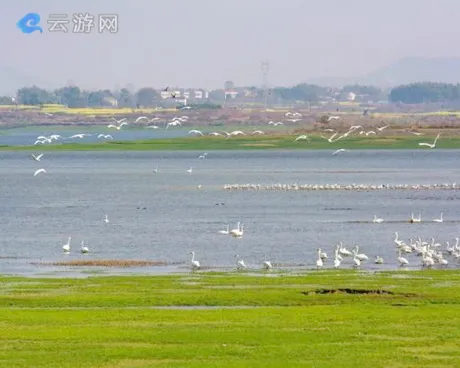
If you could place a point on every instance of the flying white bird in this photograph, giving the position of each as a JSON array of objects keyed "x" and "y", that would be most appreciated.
[
  {"x": 119, "y": 121},
  {"x": 36, "y": 158},
  {"x": 431, "y": 145},
  {"x": 331, "y": 138},
  {"x": 296, "y": 114},
  {"x": 105, "y": 136},
  {"x": 117, "y": 127},
  {"x": 338, "y": 151},
  {"x": 203, "y": 155},
  {"x": 173, "y": 123},
  {"x": 141, "y": 118},
  {"x": 302, "y": 137},
  {"x": 237, "y": 132},
  {"x": 183, "y": 119},
  {"x": 330, "y": 118},
  {"x": 294, "y": 120},
  {"x": 39, "y": 171},
  {"x": 43, "y": 140},
  {"x": 190, "y": 170},
  {"x": 382, "y": 128},
  {"x": 79, "y": 135},
  {"x": 194, "y": 131}
]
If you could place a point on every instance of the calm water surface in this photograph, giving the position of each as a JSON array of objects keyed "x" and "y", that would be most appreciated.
[
  {"x": 164, "y": 216},
  {"x": 22, "y": 137}
]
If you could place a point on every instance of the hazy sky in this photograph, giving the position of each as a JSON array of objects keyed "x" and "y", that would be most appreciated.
[{"x": 202, "y": 43}]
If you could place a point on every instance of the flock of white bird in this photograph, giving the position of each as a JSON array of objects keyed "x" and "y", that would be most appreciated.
[
  {"x": 354, "y": 187},
  {"x": 428, "y": 251},
  {"x": 237, "y": 232},
  {"x": 336, "y": 136},
  {"x": 431, "y": 253},
  {"x": 83, "y": 248},
  {"x": 295, "y": 117}
]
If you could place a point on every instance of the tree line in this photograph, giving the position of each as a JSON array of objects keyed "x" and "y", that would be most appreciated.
[
  {"x": 425, "y": 92},
  {"x": 74, "y": 97}
]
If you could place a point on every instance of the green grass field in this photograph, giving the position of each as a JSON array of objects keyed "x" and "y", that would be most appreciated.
[
  {"x": 247, "y": 143},
  {"x": 340, "y": 318}
]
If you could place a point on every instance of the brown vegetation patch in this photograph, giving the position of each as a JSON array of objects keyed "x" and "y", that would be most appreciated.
[
  {"x": 105, "y": 263},
  {"x": 352, "y": 291}
]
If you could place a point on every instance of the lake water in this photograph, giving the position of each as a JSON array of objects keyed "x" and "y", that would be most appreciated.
[
  {"x": 22, "y": 137},
  {"x": 163, "y": 215}
]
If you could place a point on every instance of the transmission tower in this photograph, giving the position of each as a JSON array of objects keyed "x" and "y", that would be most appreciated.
[{"x": 265, "y": 67}]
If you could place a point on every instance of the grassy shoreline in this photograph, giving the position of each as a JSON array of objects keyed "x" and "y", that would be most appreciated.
[
  {"x": 270, "y": 142},
  {"x": 330, "y": 318}
]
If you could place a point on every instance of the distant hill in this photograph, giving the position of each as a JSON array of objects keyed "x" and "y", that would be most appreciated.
[
  {"x": 12, "y": 79},
  {"x": 407, "y": 70}
]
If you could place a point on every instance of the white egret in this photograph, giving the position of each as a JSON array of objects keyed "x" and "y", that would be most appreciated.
[
  {"x": 195, "y": 264},
  {"x": 36, "y": 158},
  {"x": 83, "y": 249},
  {"x": 267, "y": 264},
  {"x": 66, "y": 246},
  {"x": 239, "y": 263},
  {"x": 440, "y": 219},
  {"x": 39, "y": 171},
  {"x": 433, "y": 145}
]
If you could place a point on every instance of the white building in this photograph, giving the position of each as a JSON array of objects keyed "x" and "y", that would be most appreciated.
[{"x": 230, "y": 94}]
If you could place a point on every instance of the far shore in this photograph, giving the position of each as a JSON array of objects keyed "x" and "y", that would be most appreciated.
[{"x": 57, "y": 115}]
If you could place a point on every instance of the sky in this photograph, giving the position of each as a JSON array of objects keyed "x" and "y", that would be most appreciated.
[{"x": 203, "y": 43}]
